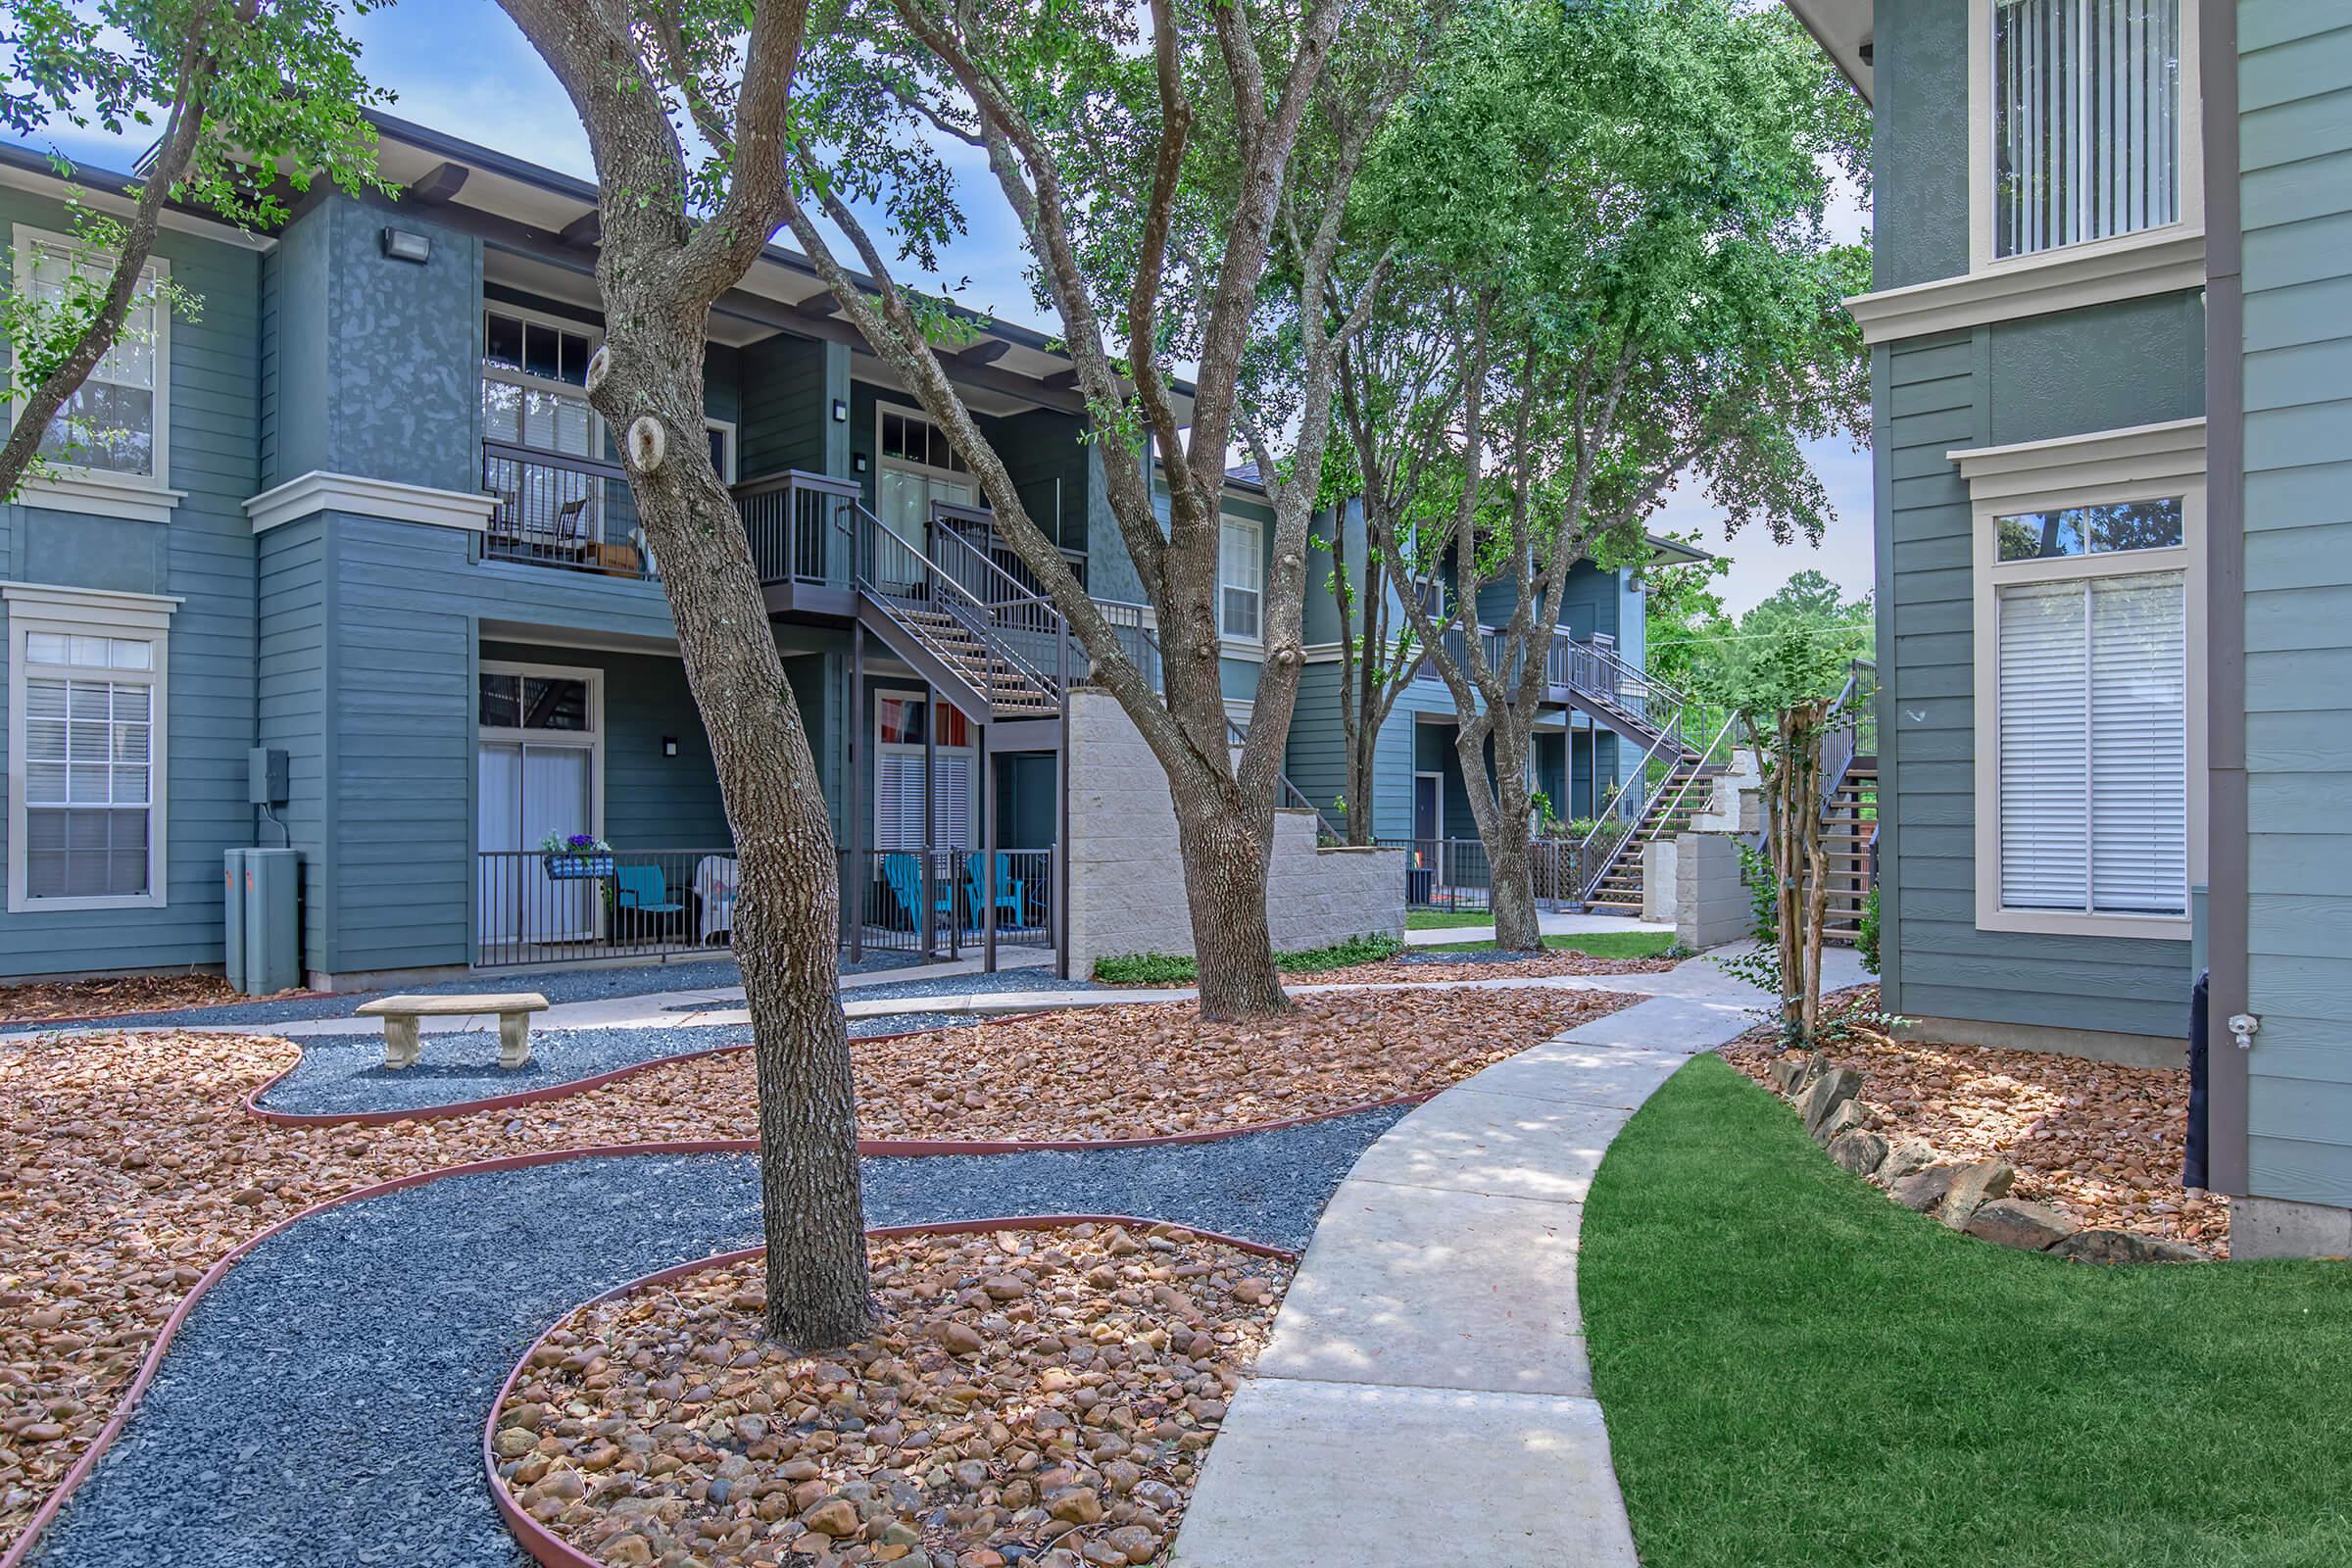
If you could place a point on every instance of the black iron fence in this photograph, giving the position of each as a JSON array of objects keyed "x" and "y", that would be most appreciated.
[
  {"x": 534, "y": 907},
  {"x": 1456, "y": 874},
  {"x": 942, "y": 901}
]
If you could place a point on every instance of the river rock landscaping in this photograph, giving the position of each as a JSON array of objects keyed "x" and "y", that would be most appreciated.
[
  {"x": 131, "y": 1166},
  {"x": 2050, "y": 1154},
  {"x": 1032, "y": 1397}
]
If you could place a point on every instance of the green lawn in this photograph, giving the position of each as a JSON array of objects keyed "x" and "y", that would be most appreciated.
[
  {"x": 1796, "y": 1371},
  {"x": 1594, "y": 944},
  {"x": 1446, "y": 919}
]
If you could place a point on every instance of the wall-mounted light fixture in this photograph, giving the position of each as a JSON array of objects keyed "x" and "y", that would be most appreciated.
[
  {"x": 406, "y": 245},
  {"x": 841, "y": 412},
  {"x": 857, "y": 463},
  {"x": 669, "y": 745}
]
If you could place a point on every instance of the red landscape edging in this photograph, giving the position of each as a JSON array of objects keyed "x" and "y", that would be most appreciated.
[{"x": 549, "y": 1550}]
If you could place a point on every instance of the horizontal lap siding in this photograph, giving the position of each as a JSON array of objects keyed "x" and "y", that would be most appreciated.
[
  {"x": 2296, "y": 134},
  {"x": 408, "y": 606},
  {"x": 204, "y": 555},
  {"x": 1939, "y": 394}
]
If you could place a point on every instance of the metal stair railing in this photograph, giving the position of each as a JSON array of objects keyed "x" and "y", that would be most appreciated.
[
  {"x": 1616, "y": 829},
  {"x": 792, "y": 520},
  {"x": 906, "y": 582},
  {"x": 1858, "y": 719}
]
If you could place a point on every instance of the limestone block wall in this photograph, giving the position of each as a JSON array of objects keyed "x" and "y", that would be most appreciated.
[
  {"x": 1710, "y": 906},
  {"x": 1127, "y": 878}
]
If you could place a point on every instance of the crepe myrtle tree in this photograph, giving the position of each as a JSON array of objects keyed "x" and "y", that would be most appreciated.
[
  {"x": 678, "y": 230},
  {"x": 1159, "y": 159},
  {"x": 256, "y": 97},
  {"x": 1614, "y": 215}
]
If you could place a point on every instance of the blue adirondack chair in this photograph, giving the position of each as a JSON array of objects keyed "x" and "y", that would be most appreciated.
[
  {"x": 1011, "y": 890},
  {"x": 905, "y": 875},
  {"x": 643, "y": 891}
]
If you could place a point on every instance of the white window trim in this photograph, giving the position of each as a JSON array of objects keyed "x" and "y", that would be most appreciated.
[
  {"x": 590, "y": 740},
  {"x": 734, "y": 454},
  {"x": 883, "y": 407},
  {"x": 102, "y": 492},
  {"x": 523, "y": 378},
  {"x": 1232, "y": 642},
  {"x": 2191, "y": 154},
  {"x": 2143, "y": 462},
  {"x": 903, "y": 749},
  {"x": 91, "y": 611},
  {"x": 2152, "y": 261}
]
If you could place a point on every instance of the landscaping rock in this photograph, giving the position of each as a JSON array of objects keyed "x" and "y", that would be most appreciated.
[
  {"x": 1785, "y": 1071},
  {"x": 1972, "y": 1185},
  {"x": 2017, "y": 1222},
  {"x": 2123, "y": 1246},
  {"x": 1847, "y": 1117},
  {"x": 1858, "y": 1151},
  {"x": 1825, "y": 1093},
  {"x": 1905, "y": 1156},
  {"x": 1924, "y": 1189}
]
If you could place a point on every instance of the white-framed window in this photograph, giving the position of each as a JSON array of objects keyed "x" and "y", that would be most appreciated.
[
  {"x": 535, "y": 381},
  {"x": 117, "y": 423},
  {"x": 2089, "y": 699},
  {"x": 1241, "y": 579},
  {"x": 916, "y": 465},
  {"x": 901, "y": 818},
  {"x": 87, "y": 697},
  {"x": 722, "y": 448},
  {"x": 2084, "y": 123}
]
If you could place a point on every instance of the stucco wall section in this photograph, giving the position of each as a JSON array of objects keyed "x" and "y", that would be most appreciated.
[{"x": 1127, "y": 879}]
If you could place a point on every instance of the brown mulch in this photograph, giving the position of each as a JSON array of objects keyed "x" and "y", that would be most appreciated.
[
  {"x": 2099, "y": 1142},
  {"x": 103, "y": 998},
  {"x": 128, "y": 1165},
  {"x": 1039, "y": 1396}
]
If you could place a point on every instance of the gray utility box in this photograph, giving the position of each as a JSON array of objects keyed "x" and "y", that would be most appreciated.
[{"x": 261, "y": 906}]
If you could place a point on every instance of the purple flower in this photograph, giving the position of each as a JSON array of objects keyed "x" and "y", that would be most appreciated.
[{"x": 581, "y": 841}]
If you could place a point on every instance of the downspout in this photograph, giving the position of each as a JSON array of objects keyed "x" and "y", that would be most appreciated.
[{"x": 2227, "y": 870}]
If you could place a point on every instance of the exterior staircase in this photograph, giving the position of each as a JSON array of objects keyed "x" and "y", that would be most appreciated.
[
  {"x": 1004, "y": 688},
  {"x": 1686, "y": 792},
  {"x": 1849, "y": 828}
]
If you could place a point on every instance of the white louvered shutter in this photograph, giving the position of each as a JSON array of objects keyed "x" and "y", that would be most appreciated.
[{"x": 899, "y": 801}]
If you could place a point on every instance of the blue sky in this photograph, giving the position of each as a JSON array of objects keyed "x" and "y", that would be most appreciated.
[{"x": 461, "y": 67}]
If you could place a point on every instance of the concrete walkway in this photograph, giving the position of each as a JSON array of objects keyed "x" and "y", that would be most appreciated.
[
  {"x": 1426, "y": 1398},
  {"x": 1699, "y": 979},
  {"x": 1554, "y": 923}
]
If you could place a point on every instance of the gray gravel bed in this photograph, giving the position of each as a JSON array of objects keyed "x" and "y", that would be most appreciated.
[
  {"x": 578, "y": 985},
  {"x": 324, "y": 1404},
  {"x": 345, "y": 1074}
]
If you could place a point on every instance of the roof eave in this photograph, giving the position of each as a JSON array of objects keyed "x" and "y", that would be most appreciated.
[{"x": 1845, "y": 31}]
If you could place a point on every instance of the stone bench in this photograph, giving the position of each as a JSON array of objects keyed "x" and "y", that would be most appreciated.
[{"x": 400, "y": 1016}]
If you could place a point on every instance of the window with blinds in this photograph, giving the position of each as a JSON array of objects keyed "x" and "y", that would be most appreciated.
[
  {"x": 2087, "y": 120},
  {"x": 89, "y": 788},
  {"x": 1241, "y": 579},
  {"x": 111, "y": 421},
  {"x": 2093, "y": 744}
]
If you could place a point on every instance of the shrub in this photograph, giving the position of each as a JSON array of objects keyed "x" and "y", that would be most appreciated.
[{"x": 1866, "y": 936}]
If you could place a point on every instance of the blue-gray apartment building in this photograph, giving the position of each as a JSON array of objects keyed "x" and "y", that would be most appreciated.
[
  {"x": 357, "y": 508},
  {"x": 2111, "y": 339}
]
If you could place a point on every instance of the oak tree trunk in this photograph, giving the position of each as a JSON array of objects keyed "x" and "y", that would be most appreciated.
[
  {"x": 787, "y": 910},
  {"x": 1226, "y": 846},
  {"x": 1500, "y": 804}
]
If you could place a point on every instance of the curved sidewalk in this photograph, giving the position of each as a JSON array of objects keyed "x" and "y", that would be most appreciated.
[{"x": 1426, "y": 1398}]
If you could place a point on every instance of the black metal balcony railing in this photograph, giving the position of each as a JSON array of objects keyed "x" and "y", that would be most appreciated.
[
  {"x": 1454, "y": 873},
  {"x": 534, "y": 908},
  {"x": 550, "y": 508}
]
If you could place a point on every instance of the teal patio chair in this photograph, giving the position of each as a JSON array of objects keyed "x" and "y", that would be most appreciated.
[
  {"x": 641, "y": 895},
  {"x": 904, "y": 871},
  {"x": 1011, "y": 890}
]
